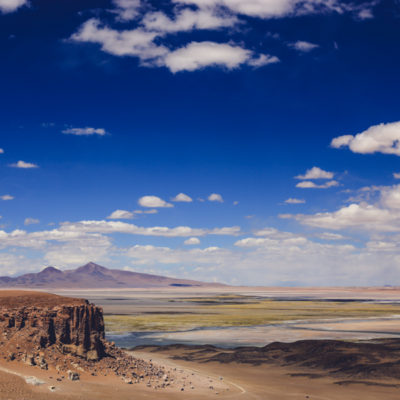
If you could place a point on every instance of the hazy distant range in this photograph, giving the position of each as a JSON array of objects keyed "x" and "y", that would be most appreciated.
[{"x": 92, "y": 275}]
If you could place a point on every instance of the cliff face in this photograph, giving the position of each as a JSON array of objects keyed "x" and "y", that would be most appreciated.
[
  {"x": 76, "y": 328},
  {"x": 65, "y": 336}
]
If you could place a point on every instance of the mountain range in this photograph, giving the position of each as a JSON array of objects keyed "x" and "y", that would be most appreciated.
[{"x": 92, "y": 276}]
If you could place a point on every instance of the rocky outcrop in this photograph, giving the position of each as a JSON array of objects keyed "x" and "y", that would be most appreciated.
[
  {"x": 66, "y": 336},
  {"x": 74, "y": 329}
]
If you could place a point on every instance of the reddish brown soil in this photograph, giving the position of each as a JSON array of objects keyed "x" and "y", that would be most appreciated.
[{"x": 24, "y": 298}]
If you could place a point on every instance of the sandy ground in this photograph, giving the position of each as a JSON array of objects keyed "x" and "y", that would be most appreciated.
[{"x": 208, "y": 380}]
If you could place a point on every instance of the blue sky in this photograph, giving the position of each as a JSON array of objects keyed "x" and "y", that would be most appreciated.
[{"x": 275, "y": 120}]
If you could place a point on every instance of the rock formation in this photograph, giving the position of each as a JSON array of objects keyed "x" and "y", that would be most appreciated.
[
  {"x": 75, "y": 326},
  {"x": 64, "y": 334}
]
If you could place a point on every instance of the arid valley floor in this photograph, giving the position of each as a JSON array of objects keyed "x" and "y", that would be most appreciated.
[{"x": 349, "y": 345}]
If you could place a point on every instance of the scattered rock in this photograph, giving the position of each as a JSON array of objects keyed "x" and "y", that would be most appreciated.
[{"x": 73, "y": 376}]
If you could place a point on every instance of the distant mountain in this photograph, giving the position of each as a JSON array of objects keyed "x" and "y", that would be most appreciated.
[{"x": 95, "y": 276}]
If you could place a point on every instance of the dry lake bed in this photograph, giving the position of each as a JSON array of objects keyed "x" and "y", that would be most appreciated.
[{"x": 233, "y": 317}]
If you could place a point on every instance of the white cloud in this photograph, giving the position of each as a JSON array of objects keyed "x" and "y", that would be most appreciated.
[
  {"x": 277, "y": 8},
  {"x": 24, "y": 165},
  {"x": 396, "y": 175},
  {"x": 126, "y": 10},
  {"x": 121, "y": 214},
  {"x": 137, "y": 42},
  {"x": 153, "y": 202},
  {"x": 235, "y": 203},
  {"x": 382, "y": 138},
  {"x": 84, "y": 131},
  {"x": 192, "y": 241},
  {"x": 331, "y": 236},
  {"x": 315, "y": 173},
  {"x": 198, "y": 55},
  {"x": 8, "y": 6},
  {"x": 365, "y": 13},
  {"x": 31, "y": 221},
  {"x": 361, "y": 216},
  {"x": 312, "y": 185},
  {"x": 1, "y": 151},
  {"x": 292, "y": 200},
  {"x": 7, "y": 197},
  {"x": 383, "y": 216},
  {"x": 152, "y": 211},
  {"x": 215, "y": 197},
  {"x": 276, "y": 259},
  {"x": 108, "y": 227},
  {"x": 187, "y": 20},
  {"x": 182, "y": 197},
  {"x": 304, "y": 47}
]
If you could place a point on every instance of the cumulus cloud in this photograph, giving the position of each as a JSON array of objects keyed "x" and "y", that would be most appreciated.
[
  {"x": 31, "y": 221},
  {"x": 1, "y": 151},
  {"x": 121, "y": 214},
  {"x": 315, "y": 173},
  {"x": 215, "y": 197},
  {"x": 384, "y": 215},
  {"x": 198, "y": 55},
  {"x": 303, "y": 47},
  {"x": 182, "y": 197},
  {"x": 292, "y": 200},
  {"x": 7, "y": 197},
  {"x": 396, "y": 175},
  {"x": 312, "y": 185},
  {"x": 8, "y": 6},
  {"x": 153, "y": 202},
  {"x": 88, "y": 131},
  {"x": 24, "y": 165},
  {"x": 192, "y": 241},
  {"x": 382, "y": 138}
]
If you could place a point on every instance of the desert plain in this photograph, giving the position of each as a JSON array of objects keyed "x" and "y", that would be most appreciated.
[{"x": 333, "y": 343}]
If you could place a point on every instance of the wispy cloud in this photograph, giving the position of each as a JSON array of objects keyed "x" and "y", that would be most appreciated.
[
  {"x": 7, "y": 197},
  {"x": 292, "y": 200},
  {"x": 31, "y": 221},
  {"x": 312, "y": 185},
  {"x": 88, "y": 131}
]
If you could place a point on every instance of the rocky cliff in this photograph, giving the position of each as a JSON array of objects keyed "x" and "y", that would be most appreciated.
[
  {"x": 64, "y": 334},
  {"x": 76, "y": 329}
]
